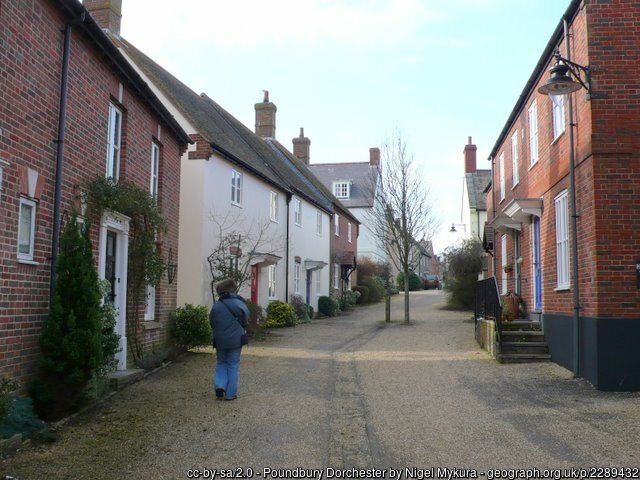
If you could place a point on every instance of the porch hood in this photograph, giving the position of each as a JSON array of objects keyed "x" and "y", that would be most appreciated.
[
  {"x": 515, "y": 213},
  {"x": 311, "y": 265},
  {"x": 264, "y": 259}
]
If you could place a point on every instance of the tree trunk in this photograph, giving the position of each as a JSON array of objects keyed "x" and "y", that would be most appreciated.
[{"x": 406, "y": 296}]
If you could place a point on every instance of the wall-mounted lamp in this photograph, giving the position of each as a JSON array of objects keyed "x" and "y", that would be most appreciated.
[{"x": 172, "y": 267}]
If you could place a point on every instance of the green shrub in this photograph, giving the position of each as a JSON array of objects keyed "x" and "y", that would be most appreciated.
[
  {"x": 414, "y": 281},
  {"x": 299, "y": 305},
  {"x": 310, "y": 311},
  {"x": 7, "y": 387},
  {"x": 280, "y": 314},
  {"x": 376, "y": 288},
  {"x": 71, "y": 337},
  {"x": 328, "y": 306},
  {"x": 465, "y": 262},
  {"x": 190, "y": 326},
  {"x": 21, "y": 419},
  {"x": 256, "y": 317},
  {"x": 348, "y": 300},
  {"x": 364, "y": 294}
]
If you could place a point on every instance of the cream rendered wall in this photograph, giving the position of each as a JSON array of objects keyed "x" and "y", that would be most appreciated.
[
  {"x": 250, "y": 219},
  {"x": 191, "y": 232},
  {"x": 367, "y": 242},
  {"x": 205, "y": 187},
  {"x": 308, "y": 245}
]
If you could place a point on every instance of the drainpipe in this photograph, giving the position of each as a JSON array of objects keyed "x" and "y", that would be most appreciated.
[
  {"x": 286, "y": 255},
  {"x": 62, "y": 120},
  {"x": 493, "y": 206},
  {"x": 574, "y": 222}
]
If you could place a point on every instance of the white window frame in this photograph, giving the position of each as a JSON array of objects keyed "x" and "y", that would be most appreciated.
[
  {"x": 318, "y": 283},
  {"x": 318, "y": 222},
  {"x": 114, "y": 142},
  {"x": 272, "y": 282},
  {"x": 150, "y": 306},
  {"x": 503, "y": 253},
  {"x": 236, "y": 187},
  {"x": 533, "y": 132},
  {"x": 502, "y": 175},
  {"x": 297, "y": 211},
  {"x": 27, "y": 256},
  {"x": 296, "y": 277},
  {"x": 349, "y": 232},
  {"x": 515, "y": 175},
  {"x": 336, "y": 218},
  {"x": 336, "y": 276},
  {"x": 154, "y": 181},
  {"x": 562, "y": 240},
  {"x": 558, "y": 115},
  {"x": 273, "y": 206},
  {"x": 342, "y": 189}
]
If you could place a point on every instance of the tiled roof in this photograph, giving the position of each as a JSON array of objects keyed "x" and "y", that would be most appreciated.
[
  {"x": 360, "y": 174},
  {"x": 265, "y": 157},
  {"x": 224, "y": 132},
  {"x": 476, "y": 184},
  {"x": 308, "y": 177}
]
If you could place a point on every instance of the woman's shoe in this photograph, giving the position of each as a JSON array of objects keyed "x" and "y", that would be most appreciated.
[{"x": 219, "y": 392}]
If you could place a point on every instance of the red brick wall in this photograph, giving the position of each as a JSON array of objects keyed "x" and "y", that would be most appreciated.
[
  {"x": 30, "y": 69},
  {"x": 340, "y": 245},
  {"x": 614, "y": 49},
  {"x": 604, "y": 36}
]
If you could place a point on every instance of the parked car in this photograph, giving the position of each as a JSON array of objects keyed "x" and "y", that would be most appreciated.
[{"x": 432, "y": 281}]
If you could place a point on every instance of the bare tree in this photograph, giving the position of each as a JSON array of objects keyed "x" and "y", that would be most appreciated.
[
  {"x": 402, "y": 209},
  {"x": 239, "y": 242}
]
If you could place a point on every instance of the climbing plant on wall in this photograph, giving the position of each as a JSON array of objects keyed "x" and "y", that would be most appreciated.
[{"x": 145, "y": 264}]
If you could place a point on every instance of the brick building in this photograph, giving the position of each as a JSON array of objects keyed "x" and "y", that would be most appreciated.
[
  {"x": 115, "y": 127},
  {"x": 529, "y": 205}
]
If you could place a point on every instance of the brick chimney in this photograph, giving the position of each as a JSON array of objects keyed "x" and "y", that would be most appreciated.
[
  {"x": 301, "y": 146},
  {"x": 470, "y": 157},
  {"x": 106, "y": 13},
  {"x": 374, "y": 157},
  {"x": 266, "y": 117}
]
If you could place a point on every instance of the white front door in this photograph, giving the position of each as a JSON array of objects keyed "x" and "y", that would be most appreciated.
[{"x": 114, "y": 248}]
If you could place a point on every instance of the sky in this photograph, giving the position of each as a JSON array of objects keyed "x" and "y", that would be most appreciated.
[{"x": 351, "y": 72}]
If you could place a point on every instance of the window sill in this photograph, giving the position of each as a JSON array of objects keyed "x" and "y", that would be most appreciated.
[
  {"x": 562, "y": 289},
  {"x": 533, "y": 165},
  {"x": 514, "y": 186},
  {"x": 239, "y": 205},
  {"x": 28, "y": 262},
  {"x": 558, "y": 137},
  {"x": 151, "y": 325}
]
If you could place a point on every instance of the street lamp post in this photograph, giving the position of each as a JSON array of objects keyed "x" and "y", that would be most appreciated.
[{"x": 566, "y": 78}]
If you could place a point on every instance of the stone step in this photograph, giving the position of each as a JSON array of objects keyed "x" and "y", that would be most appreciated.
[
  {"x": 523, "y": 358},
  {"x": 525, "y": 347},
  {"x": 522, "y": 325},
  {"x": 522, "y": 336}
]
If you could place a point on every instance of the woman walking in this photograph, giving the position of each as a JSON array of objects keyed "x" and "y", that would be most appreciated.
[{"x": 228, "y": 318}]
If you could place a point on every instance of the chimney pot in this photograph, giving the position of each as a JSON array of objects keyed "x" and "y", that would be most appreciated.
[
  {"x": 374, "y": 157},
  {"x": 470, "y": 157},
  {"x": 266, "y": 117},
  {"x": 302, "y": 147}
]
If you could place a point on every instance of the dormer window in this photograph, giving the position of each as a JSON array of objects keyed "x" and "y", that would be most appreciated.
[{"x": 341, "y": 189}]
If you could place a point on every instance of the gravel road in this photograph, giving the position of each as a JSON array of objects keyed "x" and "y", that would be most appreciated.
[{"x": 348, "y": 392}]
